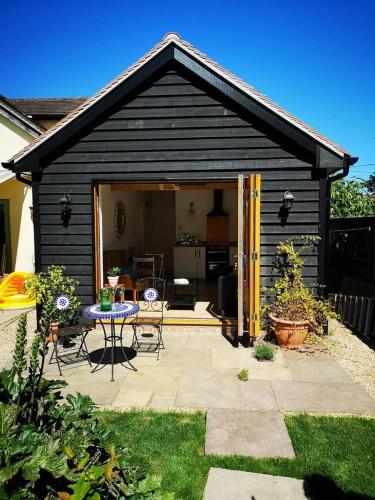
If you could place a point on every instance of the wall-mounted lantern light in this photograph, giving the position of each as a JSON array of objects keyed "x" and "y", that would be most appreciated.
[
  {"x": 66, "y": 211},
  {"x": 191, "y": 209},
  {"x": 288, "y": 200}
]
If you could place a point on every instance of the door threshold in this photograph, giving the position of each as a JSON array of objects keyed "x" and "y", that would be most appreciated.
[{"x": 188, "y": 321}]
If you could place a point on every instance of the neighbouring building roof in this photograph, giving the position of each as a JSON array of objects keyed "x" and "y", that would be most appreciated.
[
  {"x": 174, "y": 38},
  {"x": 16, "y": 116},
  {"x": 49, "y": 107}
]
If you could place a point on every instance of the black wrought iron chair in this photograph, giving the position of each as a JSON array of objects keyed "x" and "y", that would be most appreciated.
[{"x": 148, "y": 323}]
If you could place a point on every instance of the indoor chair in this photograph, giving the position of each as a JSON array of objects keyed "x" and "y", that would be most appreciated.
[
  {"x": 159, "y": 269},
  {"x": 144, "y": 267}
]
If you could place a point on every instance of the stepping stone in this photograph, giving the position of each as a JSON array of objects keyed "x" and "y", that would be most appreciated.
[
  {"x": 224, "y": 484},
  {"x": 248, "y": 433}
]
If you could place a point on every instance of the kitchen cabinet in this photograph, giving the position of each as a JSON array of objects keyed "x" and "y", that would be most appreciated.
[{"x": 189, "y": 262}]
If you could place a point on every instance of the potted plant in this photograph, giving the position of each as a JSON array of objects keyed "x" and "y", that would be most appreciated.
[
  {"x": 113, "y": 274},
  {"x": 56, "y": 293},
  {"x": 291, "y": 305}
]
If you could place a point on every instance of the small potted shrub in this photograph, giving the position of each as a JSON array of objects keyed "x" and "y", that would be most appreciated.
[
  {"x": 56, "y": 292},
  {"x": 113, "y": 274},
  {"x": 291, "y": 305}
]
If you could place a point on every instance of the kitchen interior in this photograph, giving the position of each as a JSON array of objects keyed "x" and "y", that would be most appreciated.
[{"x": 194, "y": 226}]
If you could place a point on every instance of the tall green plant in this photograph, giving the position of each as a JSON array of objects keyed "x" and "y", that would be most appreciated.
[{"x": 289, "y": 298}]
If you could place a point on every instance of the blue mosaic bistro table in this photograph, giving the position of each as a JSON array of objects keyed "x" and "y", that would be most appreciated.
[{"x": 119, "y": 311}]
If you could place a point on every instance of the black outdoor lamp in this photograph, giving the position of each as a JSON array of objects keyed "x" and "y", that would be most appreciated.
[
  {"x": 66, "y": 211},
  {"x": 288, "y": 200}
]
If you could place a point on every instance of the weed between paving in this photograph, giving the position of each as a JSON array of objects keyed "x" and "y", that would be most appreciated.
[{"x": 172, "y": 444}]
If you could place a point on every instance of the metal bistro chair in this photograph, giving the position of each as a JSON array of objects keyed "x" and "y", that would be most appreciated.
[
  {"x": 159, "y": 263},
  {"x": 148, "y": 324}
]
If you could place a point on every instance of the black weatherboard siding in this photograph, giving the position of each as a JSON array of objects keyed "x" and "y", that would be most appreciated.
[{"x": 173, "y": 127}]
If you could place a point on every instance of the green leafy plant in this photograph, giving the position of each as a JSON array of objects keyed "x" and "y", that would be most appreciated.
[
  {"x": 54, "y": 449},
  {"x": 243, "y": 375},
  {"x": 289, "y": 298},
  {"x": 46, "y": 287},
  {"x": 264, "y": 352},
  {"x": 113, "y": 272},
  {"x": 352, "y": 198}
]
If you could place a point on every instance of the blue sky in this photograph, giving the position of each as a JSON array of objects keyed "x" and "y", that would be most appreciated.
[{"x": 315, "y": 58}]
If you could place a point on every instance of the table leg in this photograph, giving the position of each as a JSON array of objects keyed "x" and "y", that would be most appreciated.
[
  {"x": 123, "y": 349},
  {"x": 113, "y": 342},
  {"x": 104, "y": 351}
]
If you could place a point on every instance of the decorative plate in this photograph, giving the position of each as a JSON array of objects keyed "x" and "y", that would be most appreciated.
[
  {"x": 119, "y": 219},
  {"x": 150, "y": 295}
]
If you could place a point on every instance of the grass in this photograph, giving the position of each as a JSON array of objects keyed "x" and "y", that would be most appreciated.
[
  {"x": 243, "y": 375},
  {"x": 172, "y": 445},
  {"x": 264, "y": 352}
]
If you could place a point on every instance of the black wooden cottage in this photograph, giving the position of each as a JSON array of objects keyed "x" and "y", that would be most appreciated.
[{"x": 176, "y": 116}]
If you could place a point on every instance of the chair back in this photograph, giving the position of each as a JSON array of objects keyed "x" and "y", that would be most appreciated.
[
  {"x": 159, "y": 263},
  {"x": 153, "y": 298},
  {"x": 144, "y": 267}
]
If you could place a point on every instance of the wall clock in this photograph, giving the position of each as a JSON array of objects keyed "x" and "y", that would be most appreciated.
[{"x": 119, "y": 219}]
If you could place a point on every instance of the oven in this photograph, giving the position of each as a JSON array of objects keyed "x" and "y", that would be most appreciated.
[{"x": 217, "y": 260}]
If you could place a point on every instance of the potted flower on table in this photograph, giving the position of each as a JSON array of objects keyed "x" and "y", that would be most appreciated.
[
  {"x": 293, "y": 307},
  {"x": 113, "y": 274}
]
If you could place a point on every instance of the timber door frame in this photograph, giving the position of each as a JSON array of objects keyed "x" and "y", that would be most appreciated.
[{"x": 248, "y": 257}]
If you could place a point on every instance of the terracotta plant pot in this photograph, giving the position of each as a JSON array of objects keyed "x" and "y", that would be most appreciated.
[
  {"x": 52, "y": 337},
  {"x": 289, "y": 334}
]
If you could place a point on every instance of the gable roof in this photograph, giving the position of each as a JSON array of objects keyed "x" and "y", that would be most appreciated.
[
  {"x": 47, "y": 107},
  {"x": 175, "y": 39},
  {"x": 16, "y": 116}
]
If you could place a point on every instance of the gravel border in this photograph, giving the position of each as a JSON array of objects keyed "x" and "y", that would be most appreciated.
[{"x": 354, "y": 355}]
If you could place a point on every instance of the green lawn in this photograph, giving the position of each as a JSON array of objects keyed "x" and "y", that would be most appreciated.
[{"x": 172, "y": 445}]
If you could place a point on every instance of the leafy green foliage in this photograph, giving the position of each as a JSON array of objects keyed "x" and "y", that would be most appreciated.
[
  {"x": 243, "y": 375},
  {"x": 370, "y": 183},
  {"x": 50, "y": 448},
  {"x": 45, "y": 287},
  {"x": 351, "y": 198},
  {"x": 113, "y": 272},
  {"x": 289, "y": 298},
  {"x": 264, "y": 352}
]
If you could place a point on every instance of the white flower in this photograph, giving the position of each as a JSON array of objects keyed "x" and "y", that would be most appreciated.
[{"x": 62, "y": 302}]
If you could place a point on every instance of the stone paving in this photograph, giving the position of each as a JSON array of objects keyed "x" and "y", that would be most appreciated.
[
  {"x": 198, "y": 369},
  {"x": 224, "y": 484}
]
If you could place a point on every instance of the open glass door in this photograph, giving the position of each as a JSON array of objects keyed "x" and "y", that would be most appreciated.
[{"x": 248, "y": 257}]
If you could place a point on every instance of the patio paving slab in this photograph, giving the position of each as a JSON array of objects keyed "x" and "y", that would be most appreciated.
[
  {"x": 221, "y": 389},
  {"x": 192, "y": 358},
  {"x": 248, "y": 433},
  {"x": 318, "y": 368},
  {"x": 224, "y": 484},
  {"x": 322, "y": 397}
]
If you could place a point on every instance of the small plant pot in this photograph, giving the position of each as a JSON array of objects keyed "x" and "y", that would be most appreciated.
[
  {"x": 113, "y": 280},
  {"x": 289, "y": 334},
  {"x": 52, "y": 337}
]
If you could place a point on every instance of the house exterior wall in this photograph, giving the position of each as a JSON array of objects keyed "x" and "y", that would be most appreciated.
[
  {"x": 174, "y": 128},
  {"x": 12, "y": 139}
]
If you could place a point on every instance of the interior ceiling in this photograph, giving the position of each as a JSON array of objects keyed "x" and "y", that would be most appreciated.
[{"x": 169, "y": 186}]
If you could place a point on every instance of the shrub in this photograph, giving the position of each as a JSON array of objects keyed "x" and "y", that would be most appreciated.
[
  {"x": 243, "y": 375},
  {"x": 289, "y": 298},
  {"x": 264, "y": 352},
  {"x": 47, "y": 287}
]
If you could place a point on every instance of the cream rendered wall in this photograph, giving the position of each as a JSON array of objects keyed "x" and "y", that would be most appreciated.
[
  {"x": 12, "y": 139},
  {"x": 203, "y": 203},
  {"x": 133, "y": 233}
]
